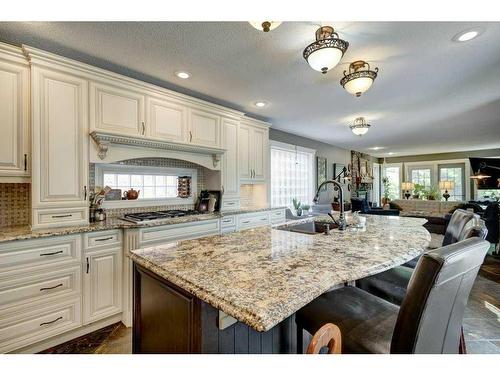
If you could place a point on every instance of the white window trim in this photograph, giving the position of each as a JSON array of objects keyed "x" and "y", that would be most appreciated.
[
  {"x": 390, "y": 165},
  {"x": 435, "y": 172},
  {"x": 100, "y": 169},
  {"x": 290, "y": 147}
]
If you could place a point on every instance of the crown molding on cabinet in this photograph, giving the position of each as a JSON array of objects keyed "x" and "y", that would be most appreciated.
[
  {"x": 39, "y": 57},
  {"x": 103, "y": 140}
]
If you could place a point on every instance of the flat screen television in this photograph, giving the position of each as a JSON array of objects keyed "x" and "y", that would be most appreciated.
[{"x": 490, "y": 167}]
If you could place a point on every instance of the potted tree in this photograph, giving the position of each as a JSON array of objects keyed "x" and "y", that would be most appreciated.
[{"x": 387, "y": 191}]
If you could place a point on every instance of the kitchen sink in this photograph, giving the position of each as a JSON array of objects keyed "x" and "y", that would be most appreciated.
[{"x": 310, "y": 227}]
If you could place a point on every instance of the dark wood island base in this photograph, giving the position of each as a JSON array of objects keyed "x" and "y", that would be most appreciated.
[{"x": 169, "y": 320}]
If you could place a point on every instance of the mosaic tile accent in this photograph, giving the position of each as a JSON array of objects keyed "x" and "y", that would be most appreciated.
[
  {"x": 153, "y": 162},
  {"x": 15, "y": 204}
]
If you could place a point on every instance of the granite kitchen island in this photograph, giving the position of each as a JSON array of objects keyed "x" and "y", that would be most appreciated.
[{"x": 238, "y": 292}]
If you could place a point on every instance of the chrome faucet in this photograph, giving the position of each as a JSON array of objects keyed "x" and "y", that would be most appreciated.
[{"x": 341, "y": 222}]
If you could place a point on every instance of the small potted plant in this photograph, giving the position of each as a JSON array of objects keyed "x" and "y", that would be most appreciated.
[
  {"x": 298, "y": 206},
  {"x": 306, "y": 208},
  {"x": 418, "y": 191},
  {"x": 433, "y": 193}
]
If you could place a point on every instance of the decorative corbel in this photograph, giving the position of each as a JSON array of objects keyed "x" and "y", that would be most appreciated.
[
  {"x": 215, "y": 159},
  {"x": 102, "y": 146}
]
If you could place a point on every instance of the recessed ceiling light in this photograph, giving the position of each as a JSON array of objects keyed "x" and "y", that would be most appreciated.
[
  {"x": 182, "y": 74},
  {"x": 261, "y": 104},
  {"x": 376, "y": 148},
  {"x": 391, "y": 153},
  {"x": 467, "y": 35}
]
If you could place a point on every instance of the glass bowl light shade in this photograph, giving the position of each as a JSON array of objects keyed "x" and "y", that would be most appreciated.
[
  {"x": 360, "y": 127},
  {"x": 325, "y": 53},
  {"x": 359, "y": 80},
  {"x": 265, "y": 25}
]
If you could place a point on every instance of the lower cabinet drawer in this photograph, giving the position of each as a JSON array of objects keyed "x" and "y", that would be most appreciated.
[
  {"x": 253, "y": 220},
  {"x": 57, "y": 217},
  {"x": 277, "y": 217},
  {"x": 25, "y": 328},
  {"x": 15, "y": 256},
  {"x": 179, "y": 231},
  {"x": 40, "y": 286},
  {"x": 97, "y": 240},
  {"x": 228, "y": 221}
]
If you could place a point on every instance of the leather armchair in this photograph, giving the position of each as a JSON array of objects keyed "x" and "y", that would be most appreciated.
[
  {"x": 429, "y": 319},
  {"x": 361, "y": 204}
]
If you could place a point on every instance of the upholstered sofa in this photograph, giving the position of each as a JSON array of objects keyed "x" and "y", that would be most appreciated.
[{"x": 436, "y": 212}]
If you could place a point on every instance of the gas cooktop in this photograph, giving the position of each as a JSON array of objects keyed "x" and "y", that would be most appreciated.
[{"x": 142, "y": 217}]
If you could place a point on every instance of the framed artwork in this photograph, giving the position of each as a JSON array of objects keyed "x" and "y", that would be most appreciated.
[{"x": 321, "y": 173}]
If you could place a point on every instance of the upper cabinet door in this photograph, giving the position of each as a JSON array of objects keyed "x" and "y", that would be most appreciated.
[
  {"x": 204, "y": 128},
  {"x": 166, "y": 120},
  {"x": 230, "y": 176},
  {"x": 245, "y": 154},
  {"x": 14, "y": 119},
  {"x": 60, "y": 139},
  {"x": 116, "y": 110},
  {"x": 259, "y": 145}
]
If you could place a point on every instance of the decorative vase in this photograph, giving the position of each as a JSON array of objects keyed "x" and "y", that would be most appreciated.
[
  {"x": 385, "y": 201},
  {"x": 299, "y": 211}
]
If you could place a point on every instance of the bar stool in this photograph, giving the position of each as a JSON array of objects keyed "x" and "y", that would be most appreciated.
[
  {"x": 429, "y": 319},
  {"x": 327, "y": 336}
]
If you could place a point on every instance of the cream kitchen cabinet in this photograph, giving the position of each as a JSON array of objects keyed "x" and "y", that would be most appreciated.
[
  {"x": 166, "y": 120},
  {"x": 59, "y": 148},
  {"x": 204, "y": 128},
  {"x": 117, "y": 109},
  {"x": 253, "y": 152},
  {"x": 102, "y": 284},
  {"x": 230, "y": 174},
  {"x": 14, "y": 113}
]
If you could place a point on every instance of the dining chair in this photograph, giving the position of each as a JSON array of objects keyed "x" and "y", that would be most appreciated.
[{"x": 429, "y": 319}]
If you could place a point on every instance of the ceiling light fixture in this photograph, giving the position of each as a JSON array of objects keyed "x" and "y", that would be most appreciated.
[
  {"x": 376, "y": 148},
  {"x": 359, "y": 79},
  {"x": 325, "y": 53},
  {"x": 261, "y": 104},
  {"x": 465, "y": 36},
  {"x": 265, "y": 25},
  {"x": 391, "y": 153},
  {"x": 360, "y": 127},
  {"x": 182, "y": 74}
]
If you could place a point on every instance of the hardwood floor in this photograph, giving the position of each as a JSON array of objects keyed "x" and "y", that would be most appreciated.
[{"x": 481, "y": 322}]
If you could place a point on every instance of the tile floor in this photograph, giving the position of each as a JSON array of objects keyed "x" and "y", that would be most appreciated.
[{"x": 481, "y": 322}]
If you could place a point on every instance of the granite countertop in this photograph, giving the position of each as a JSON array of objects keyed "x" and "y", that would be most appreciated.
[
  {"x": 261, "y": 276},
  {"x": 24, "y": 232}
]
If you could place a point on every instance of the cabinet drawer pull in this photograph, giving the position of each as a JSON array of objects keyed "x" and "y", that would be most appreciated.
[
  {"x": 51, "y": 287},
  {"x": 54, "y": 253},
  {"x": 52, "y": 321},
  {"x": 229, "y": 203},
  {"x": 60, "y": 216},
  {"x": 104, "y": 239},
  {"x": 246, "y": 222},
  {"x": 264, "y": 219},
  {"x": 226, "y": 221}
]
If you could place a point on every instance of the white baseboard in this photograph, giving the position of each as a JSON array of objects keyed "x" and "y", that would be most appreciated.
[{"x": 54, "y": 341}]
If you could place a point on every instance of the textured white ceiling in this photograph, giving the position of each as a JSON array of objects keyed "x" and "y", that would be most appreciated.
[{"x": 432, "y": 94}]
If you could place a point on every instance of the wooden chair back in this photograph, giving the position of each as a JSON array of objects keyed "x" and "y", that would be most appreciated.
[{"x": 327, "y": 336}]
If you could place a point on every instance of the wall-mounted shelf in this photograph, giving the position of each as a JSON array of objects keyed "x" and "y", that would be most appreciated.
[{"x": 104, "y": 140}]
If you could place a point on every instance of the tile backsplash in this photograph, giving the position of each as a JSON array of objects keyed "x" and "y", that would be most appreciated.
[
  {"x": 15, "y": 206},
  {"x": 153, "y": 162}
]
